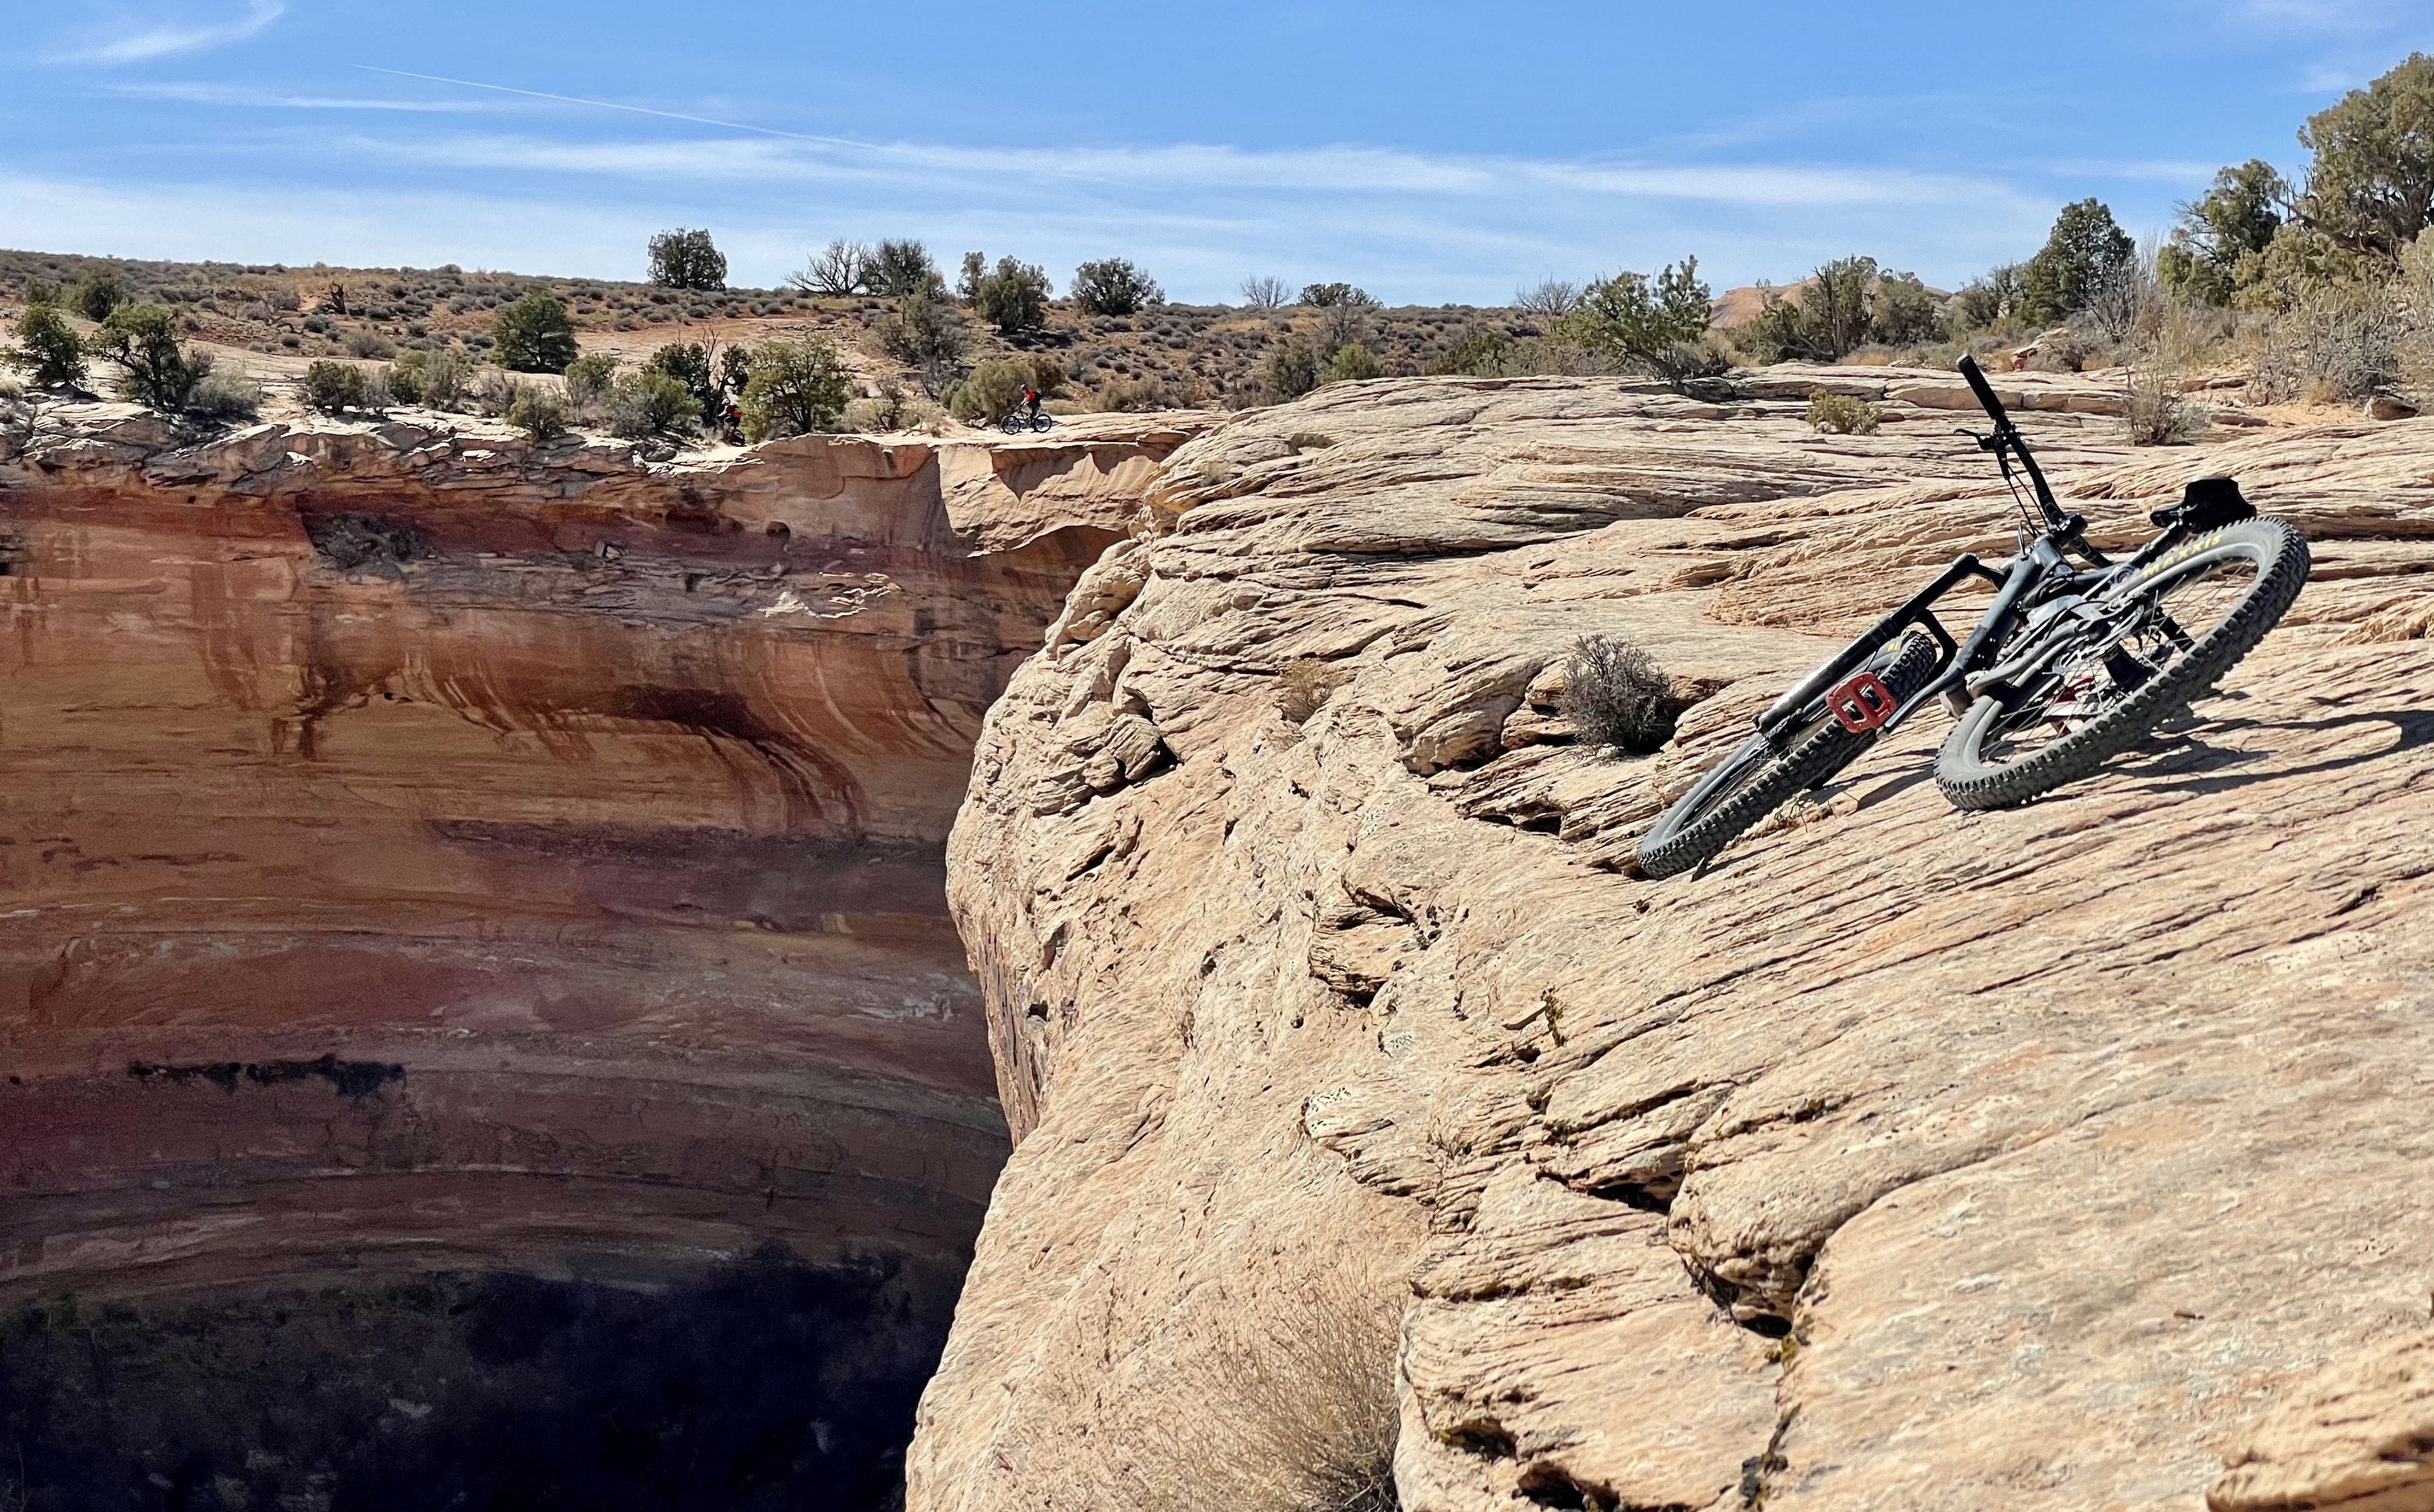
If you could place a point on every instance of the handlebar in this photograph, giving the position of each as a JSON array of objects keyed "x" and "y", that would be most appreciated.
[
  {"x": 1984, "y": 391},
  {"x": 2007, "y": 437}
]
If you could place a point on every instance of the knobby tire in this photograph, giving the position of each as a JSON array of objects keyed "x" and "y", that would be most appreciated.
[
  {"x": 1970, "y": 781},
  {"x": 1714, "y": 813}
]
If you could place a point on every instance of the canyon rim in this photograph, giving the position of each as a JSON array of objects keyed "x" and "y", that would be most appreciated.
[{"x": 467, "y": 900}]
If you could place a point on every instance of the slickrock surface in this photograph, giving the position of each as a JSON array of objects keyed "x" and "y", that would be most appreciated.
[
  {"x": 1906, "y": 1158},
  {"x": 419, "y": 851}
]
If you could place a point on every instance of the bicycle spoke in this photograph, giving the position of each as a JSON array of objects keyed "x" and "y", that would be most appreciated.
[{"x": 2113, "y": 661}]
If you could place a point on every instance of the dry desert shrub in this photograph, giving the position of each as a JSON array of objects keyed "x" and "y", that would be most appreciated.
[
  {"x": 226, "y": 394},
  {"x": 1304, "y": 686},
  {"x": 2157, "y": 414},
  {"x": 1841, "y": 414},
  {"x": 331, "y": 388},
  {"x": 2337, "y": 344},
  {"x": 1615, "y": 695},
  {"x": 1303, "y": 1418}
]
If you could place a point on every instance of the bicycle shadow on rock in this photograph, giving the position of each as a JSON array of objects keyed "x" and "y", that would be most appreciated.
[
  {"x": 2185, "y": 755},
  {"x": 2191, "y": 758}
]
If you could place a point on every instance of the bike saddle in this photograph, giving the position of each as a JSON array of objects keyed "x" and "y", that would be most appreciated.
[{"x": 2205, "y": 505}]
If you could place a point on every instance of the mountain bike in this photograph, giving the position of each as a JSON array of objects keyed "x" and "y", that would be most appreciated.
[
  {"x": 2072, "y": 664},
  {"x": 1018, "y": 422}
]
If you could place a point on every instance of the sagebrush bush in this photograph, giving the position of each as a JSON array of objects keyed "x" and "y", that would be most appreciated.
[
  {"x": 994, "y": 390},
  {"x": 1309, "y": 1416},
  {"x": 893, "y": 408},
  {"x": 333, "y": 388},
  {"x": 1615, "y": 695},
  {"x": 647, "y": 403},
  {"x": 539, "y": 411},
  {"x": 1351, "y": 363},
  {"x": 1147, "y": 392},
  {"x": 796, "y": 387},
  {"x": 101, "y": 292},
  {"x": 2339, "y": 344},
  {"x": 2158, "y": 414},
  {"x": 927, "y": 333},
  {"x": 1480, "y": 354},
  {"x": 226, "y": 394},
  {"x": 1303, "y": 684},
  {"x": 1842, "y": 413},
  {"x": 437, "y": 380},
  {"x": 589, "y": 380}
]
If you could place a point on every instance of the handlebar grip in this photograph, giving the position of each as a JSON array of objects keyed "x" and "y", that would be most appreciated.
[{"x": 1984, "y": 390}]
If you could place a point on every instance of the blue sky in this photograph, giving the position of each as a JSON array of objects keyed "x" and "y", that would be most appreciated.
[{"x": 1429, "y": 152}]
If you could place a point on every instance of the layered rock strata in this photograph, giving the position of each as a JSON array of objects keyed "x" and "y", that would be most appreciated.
[
  {"x": 422, "y": 852},
  {"x": 1902, "y": 1159}
]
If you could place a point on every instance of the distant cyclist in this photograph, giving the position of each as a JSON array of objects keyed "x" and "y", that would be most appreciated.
[{"x": 1030, "y": 403}]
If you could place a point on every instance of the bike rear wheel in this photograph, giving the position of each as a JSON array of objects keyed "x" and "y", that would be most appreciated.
[
  {"x": 1757, "y": 779},
  {"x": 2199, "y": 610}
]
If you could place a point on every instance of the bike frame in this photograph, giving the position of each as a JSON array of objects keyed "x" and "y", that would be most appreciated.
[{"x": 2040, "y": 574}]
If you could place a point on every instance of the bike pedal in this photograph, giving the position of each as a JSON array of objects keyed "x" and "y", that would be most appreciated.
[{"x": 1863, "y": 703}]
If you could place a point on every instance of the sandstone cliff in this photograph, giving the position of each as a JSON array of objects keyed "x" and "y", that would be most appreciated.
[
  {"x": 421, "y": 853},
  {"x": 1905, "y": 1159}
]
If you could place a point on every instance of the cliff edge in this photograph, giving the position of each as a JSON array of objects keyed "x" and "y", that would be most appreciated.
[{"x": 1904, "y": 1159}]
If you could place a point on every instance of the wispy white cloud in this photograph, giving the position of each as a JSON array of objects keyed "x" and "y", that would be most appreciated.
[
  {"x": 248, "y": 96},
  {"x": 1368, "y": 172},
  {"x": 2152, "y": 170},
  {"x": 598, "y": 105},
  {"x": 2343, "y": 17},
  {"x": 1346, "y": 168},
  {"x": 1406, "y": 226},
  {"x": 171, "y": 37}
]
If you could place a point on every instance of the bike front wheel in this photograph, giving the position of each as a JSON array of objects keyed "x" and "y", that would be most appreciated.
[
  {"x": 2183, "y": 623},
  {"x": 1759, "y": 778}
]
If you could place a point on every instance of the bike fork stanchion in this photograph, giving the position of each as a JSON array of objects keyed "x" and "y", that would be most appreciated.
[{"x": 1917, "y": 611}]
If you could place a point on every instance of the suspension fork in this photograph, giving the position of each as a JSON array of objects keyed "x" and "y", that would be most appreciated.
[{"x": 1775, "y": 722}]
